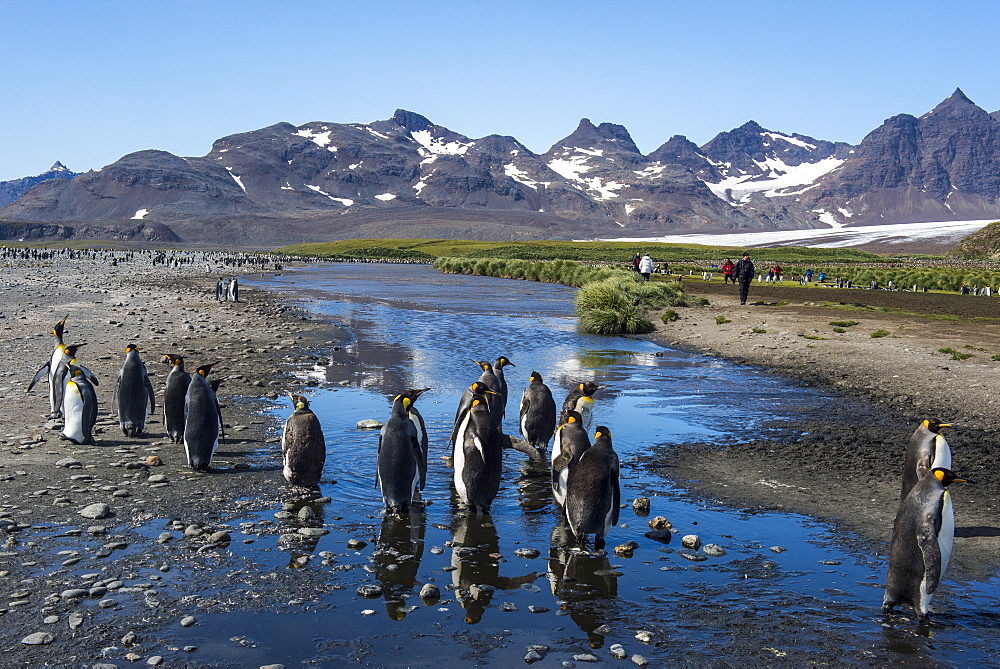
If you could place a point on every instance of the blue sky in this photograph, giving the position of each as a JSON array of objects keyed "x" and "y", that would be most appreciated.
[{"x": 86, "y": 82}]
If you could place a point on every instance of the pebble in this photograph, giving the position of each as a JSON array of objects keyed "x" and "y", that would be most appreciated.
[
  {"x": 155, "y": 661},
  {"x": 187, "y": 621},
  {"x": 618, "y": 651},
  {"x": 626, "y": 549},
  {"x": 69, "y": 462},
  {"x": 532, "y": 656},
  {"x": 539, "y": 609},
  {"x": 639, "y": 660},
  {"x": 713, "y": 550},
  {"x": 527, "y": 553},
  {"x": 153, "y": 461},
  {"x": 108, "y": 603},
  {"x": 96, "y": 511},
  {"x": 221, "y": 537},
  {"x": 306, "y": 513},
  {"x": 778, "y": 549},
  {"x": 313, "y": 531},
  {"x": 75, "y": 620},
  {"x": 645, "y": 636},
  {"x": 663, "y": 536},
  {"x": 430, "y": 591},
  {"x": 356, "y": 544},
  {"x": 50, "y": 620},
  {"x": 73, "y": 593},
  {"x": 157, "y": 478},
  {"x": 659, "y": 523},
  {"x": 369, "y": 591},
  {"x": 694, "y": 557},
  {"x": 692, "y": 541},
  {"x": 586, "y": 657},
  {"x": 640, "y": 506},
  {"x": 369, "y": 424},
  {"x": 38, "y": 639},
  {"x": 508, "y": 607}
]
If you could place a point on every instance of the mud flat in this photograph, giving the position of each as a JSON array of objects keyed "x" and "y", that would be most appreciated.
[{"x": 841, "y": 467}]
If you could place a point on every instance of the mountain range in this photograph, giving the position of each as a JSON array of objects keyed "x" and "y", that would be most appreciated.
[
  {"x": 10, "y": 191},
  {"x": 407, "y": 177}
]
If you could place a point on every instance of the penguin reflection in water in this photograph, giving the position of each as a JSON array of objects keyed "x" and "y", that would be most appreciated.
[
  {"x": 202, "y": 419},
  {"x": 401, "y": 465},
  {"x": 396, "y": 559},
  {"x": 926, "y": 449},
  {"x": 922, "y": 540},
  {"x": 303, "y": 447},
  {"x": 133, "y": 393}
]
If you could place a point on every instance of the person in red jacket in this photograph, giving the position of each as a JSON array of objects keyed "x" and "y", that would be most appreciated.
[{"x": 727, "y": 271}]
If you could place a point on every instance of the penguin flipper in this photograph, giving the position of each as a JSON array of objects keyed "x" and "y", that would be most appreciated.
[
  {"x": 39, "y": 375},
  {"x": 616, "y": 496},
  {"x": 152, "y": 397},
  {"x": 89, "y": 375},
  {"x": 930, "y": 550}
]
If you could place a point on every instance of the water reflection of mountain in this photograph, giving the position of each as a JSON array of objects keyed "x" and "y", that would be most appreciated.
[
  {"x": 583, "y": 581},
  {"x": 476, "y": 560},
  {"x": 396, "y": 559}
]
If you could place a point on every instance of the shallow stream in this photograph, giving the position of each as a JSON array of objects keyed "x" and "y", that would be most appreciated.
[{"x": 789, "y": 589}]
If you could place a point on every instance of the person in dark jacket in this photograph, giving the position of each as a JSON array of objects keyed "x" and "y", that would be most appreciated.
[{"x": 744, "y": 274}]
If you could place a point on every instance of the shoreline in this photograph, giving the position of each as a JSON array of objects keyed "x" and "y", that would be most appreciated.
[{"x": 836, "y": 468}]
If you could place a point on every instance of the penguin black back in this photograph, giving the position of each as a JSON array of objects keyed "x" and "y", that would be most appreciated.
[
  {"x": 570, "y": 443},
  {"x": 202, "y": 420},
  {"x": 538, "y": 412},
  {"x": 593, "y": 493},
  {"x": 399, "y": 456},
  {"x": 477, "y": 457},
  {"x": 177, "y": 384},
  {"x": 133, "y": 393},
  {"x": 922, "y": 539},
  {"x": 418, "y": 423},
  {"x": 498, "y": 366},
  {"x": 920, "y": 453}
]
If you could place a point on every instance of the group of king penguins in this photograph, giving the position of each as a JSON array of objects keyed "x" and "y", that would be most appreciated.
[
  {"x": 924, "y": 526},
  {"x": 584, "y": 474},
  {"x": 191, "y": 411}
]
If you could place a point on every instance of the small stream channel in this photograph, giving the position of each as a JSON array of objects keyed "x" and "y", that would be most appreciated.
[{"x": 818, "y": 600}]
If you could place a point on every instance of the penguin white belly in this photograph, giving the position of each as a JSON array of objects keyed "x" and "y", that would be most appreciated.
[
  {"x": 73, "y": 409},
  {"x": 559, "y": 489},
  {"x": 942, "y": 453},
  {"x": 458, "y": 460},
  {"x": 585, "y": 407},
  {"x": 556, "y": 446},
  {"x": 946, "y": 537}
]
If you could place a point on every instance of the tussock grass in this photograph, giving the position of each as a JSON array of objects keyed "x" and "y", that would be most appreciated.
[
  {"x": 843, "y": 324},
  {"x": 879, "y": 333}
]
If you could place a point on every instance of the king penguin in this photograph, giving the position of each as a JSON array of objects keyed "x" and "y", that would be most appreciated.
[
  {"x": 593, "y": 493},
  {"x": 79, "y": 407},
  {"x": 926, "y": 449},
  {"x": 202, "y": 420},
  {"x": 570, "y": 443},
  {"x": 51, "y": 367},
  {"x": 133, "y": 394},
  {"x": 488, "y": 379},
  {"x": 303, "y": 447},
  {"x": 538, "y": 412},
  {"x": 418, "y": 423},
  {"x": 70, "y": 358},
  {"x": 477, "y": 387},
  {"x": 478, "y": 457},
  {"x": 173, "y": 397},
  {"x": 498, "y": 366},
  {"x": 580, "y": 400},
  {"x": 398, "y": 471},
  {"x": 921, "y": 542}
]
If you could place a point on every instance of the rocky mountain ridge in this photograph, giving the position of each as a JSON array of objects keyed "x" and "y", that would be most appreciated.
[
  {"x": 11, "y": 191},
  {"x": 408, "y": 177}
]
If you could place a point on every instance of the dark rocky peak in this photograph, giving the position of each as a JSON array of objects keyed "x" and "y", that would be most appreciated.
[
  {"x": 502, "y": 144},
  {"x": 957, "y": 107},
  {"x": 604, "y": 137},
  {"x": 678, "y": 149},
  {"x": 411, "y": 120},
  {"x": 996, "y": 115},
  {"x": 59, "y": 167}
]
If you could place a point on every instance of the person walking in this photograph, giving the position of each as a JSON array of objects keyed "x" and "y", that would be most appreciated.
[
  {"x": 635, "y": 262},
  {"x": 727, "y": 271},
  {"x": 646, "y": 267},
  {"x": 744, "y": 272}
]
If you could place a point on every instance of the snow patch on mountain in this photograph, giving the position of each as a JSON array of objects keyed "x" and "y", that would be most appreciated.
[
  {"x": 385, "y": 197},
  {"x": 321, "y": 139},
  {"x": 570, "y": 168},
  {"x": 141, "y": 214},
  {"x": 434, "y": 145},
  {"x": 237, "y": 179},
  {"x": 897, "y": 233},
  {"x": 774, "y": 136},
  {"x": 521, "y": 177},
  {"x": 777, "y": 177}
]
